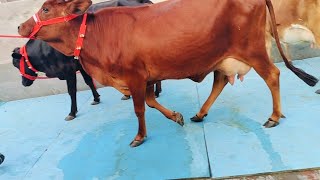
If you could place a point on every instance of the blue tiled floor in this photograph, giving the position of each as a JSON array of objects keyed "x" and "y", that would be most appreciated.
[
  {"x": 96, "y": 143},
  {"x": 1, "y": 103},
  {"x": 238, "y": 143},
  {"x": 39, "y": 144}
]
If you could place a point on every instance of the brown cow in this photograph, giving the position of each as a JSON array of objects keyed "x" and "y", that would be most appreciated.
[
  {"x": 297, "y": 21},
  {"x": 133, "y": 48}
]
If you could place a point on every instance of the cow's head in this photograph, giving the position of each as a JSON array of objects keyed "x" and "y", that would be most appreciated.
[
  {"x": 16, "y": 57},
  {"x": 52, "y": 9}
]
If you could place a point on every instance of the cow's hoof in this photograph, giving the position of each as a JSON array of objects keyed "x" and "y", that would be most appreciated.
[
  {"x": 95, "y": 102},
  {"x": 179, "y": 118},
  {"x": 69, "y": 118},
  {"x": 156, "y": 94},
  {"x": 283, "y": 116},
  {"x": 136, "y": 143},
  {"x": 271, "y": 123},
  {"x": 1, "y": 158},
  {"x": 196, "y": 118},
  {"x": 318, "y": 91},
  {"x": 125, "y": 97}
]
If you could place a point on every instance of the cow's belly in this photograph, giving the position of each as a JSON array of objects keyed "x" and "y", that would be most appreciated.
[{"x": 231, "y": 67}]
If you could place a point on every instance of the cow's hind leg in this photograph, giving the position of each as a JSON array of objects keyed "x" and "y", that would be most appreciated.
[
  {"x": 219, "y": 82},
  {"x": 72, "y": 90},
  {"x": 89, "y": 81},
  {"x": 270, "y": 74},
  {"x": 151, "y": 102},
  {"x": 125, "y": 97},
  {"x": 158, "y": 89}
]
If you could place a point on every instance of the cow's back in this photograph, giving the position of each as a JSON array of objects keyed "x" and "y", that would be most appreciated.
[
  {"x": 289, "y": 11},
  {"x": 203, "y": 33},
  {"x": 302, "y": 12}
]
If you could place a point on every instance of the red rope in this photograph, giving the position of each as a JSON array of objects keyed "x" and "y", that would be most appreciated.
[{"x": 14, "y": 36}]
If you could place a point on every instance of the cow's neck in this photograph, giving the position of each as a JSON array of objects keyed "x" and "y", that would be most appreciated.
[
  {"x": 103, "y": 45},
  {"x": 65, "y": 43},
  {"x": 103, "y": 39},
  {"x": 98, "y": 37}
]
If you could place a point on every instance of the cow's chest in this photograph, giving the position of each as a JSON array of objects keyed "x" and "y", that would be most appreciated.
[{"x": 109, "y": 77}]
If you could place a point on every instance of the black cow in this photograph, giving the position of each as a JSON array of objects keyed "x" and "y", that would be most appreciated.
[
  {"x": 54, "y": 64},
  {"x": 132, "y": 2},
  {"x": 46, "y": 59}
]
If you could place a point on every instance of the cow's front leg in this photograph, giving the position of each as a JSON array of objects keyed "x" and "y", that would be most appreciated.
[
  {"x": 72, "y": 90},
  {"x": 219, "y": 82},
  {"x": 151, "y": 102},
  {"x": 89, "y": 81},
  {"x": 138, "y": 92}
]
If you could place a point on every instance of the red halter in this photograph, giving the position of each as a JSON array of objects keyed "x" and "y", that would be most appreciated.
[
  {"x": 81, "y": 34},
  {"x": 35, "y": 30},
  {"x": 40, "y": 23},
  {"x": 24, "y": 59}
]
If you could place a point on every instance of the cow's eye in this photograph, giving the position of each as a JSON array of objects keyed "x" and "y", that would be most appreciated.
[{"x": 45, "y": 10}]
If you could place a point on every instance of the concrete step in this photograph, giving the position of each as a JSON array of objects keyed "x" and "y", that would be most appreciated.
[
  {"x": 299, "y": 174},
  {"x": 12, "y": 89}
]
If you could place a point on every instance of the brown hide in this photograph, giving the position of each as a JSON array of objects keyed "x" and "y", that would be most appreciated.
[{"x": 132, "y": 48}]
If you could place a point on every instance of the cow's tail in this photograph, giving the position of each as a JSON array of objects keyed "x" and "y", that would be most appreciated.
[{"x": 307, "y": 78}]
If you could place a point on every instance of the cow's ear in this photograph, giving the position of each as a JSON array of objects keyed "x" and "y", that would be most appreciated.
[
  {"x": 78, "y": 6},
  {"x": 16, "y": 55}
]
